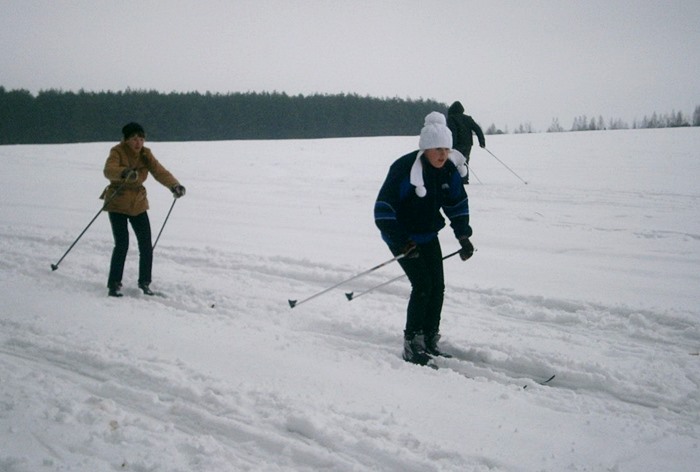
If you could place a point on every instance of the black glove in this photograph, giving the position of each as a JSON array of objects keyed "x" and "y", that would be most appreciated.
[
  {"x": 178, "y": 191},
  {"x": 467, "y": 250},
  {"x": 410, "y": 250},
  {"x": 130, "y": 175}
]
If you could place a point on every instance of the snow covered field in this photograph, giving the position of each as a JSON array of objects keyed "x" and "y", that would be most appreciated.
[{"x": 590, "y": 272}]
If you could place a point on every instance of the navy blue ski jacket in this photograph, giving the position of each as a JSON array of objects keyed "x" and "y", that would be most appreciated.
[{"x": 401, "y": 215}]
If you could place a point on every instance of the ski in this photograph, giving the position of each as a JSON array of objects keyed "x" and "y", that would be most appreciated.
[
  {"x": 442, "y": 355},
  {"x": 544, "y": 382},
  {"x": 140, "y": 294},
  {"x": 548, "y": 380},
  {"x": 442, "y": 362}
]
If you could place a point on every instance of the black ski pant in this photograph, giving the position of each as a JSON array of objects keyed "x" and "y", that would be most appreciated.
[
  {"x": 142, "y": 228},
  {"x": 427, "y": 278}
]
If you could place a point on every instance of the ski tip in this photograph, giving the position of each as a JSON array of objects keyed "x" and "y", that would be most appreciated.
[
  {"x": 349, "y": 295},
  {"x": 292, "y": 303},
  {"x": 54, "y": 267},
  {"x": 543, "y": 382}
]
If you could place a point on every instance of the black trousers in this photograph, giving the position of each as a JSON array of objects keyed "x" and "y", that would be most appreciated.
[
  {"x": 427, "y": 278},
  {"x": 142, "y": 228}
]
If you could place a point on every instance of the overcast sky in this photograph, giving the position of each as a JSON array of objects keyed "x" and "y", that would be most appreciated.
[{"x": 508, "y": 62}]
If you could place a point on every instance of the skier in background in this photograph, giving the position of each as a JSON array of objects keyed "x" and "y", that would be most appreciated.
[
  {"x": 407, "y": 212},
  {"x": 462, "y": 127},
  {"x": 127, "y": 167}
]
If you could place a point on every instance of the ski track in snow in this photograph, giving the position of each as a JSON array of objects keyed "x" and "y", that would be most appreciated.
[
  {"x": 116, "y": 394},
  {"x": 115, "y": 399},
  {"x": 218, "y": 416}
]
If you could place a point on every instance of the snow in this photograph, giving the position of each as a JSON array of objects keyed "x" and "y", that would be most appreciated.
[{"x": 589, "y": 272}]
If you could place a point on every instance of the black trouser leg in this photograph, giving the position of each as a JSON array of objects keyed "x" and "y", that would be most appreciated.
[
  {"x": 120, "y": 232},
  {"x": 427, "y": 288},
  {"x": 142, "y": 229},
  {"x": 465, "y": 152}
]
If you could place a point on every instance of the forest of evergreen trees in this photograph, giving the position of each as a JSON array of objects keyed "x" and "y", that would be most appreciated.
[
  {"x": 66, "y": 117},
  {"x": 56, "y": 116}
]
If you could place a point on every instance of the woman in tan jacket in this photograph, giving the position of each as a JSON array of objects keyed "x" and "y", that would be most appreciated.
[{"x": 127, "y": 167}]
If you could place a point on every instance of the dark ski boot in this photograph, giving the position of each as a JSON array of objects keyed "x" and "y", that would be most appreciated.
[
  {"x": 146, "y": 289},
  {"x": 115, "y": 290},
  {"x": 414, "y": 349},
  {"x": 431, "y": 346}
]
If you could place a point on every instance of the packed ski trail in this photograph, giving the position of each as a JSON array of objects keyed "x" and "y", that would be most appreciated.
[{"x": 592, "y": 279}]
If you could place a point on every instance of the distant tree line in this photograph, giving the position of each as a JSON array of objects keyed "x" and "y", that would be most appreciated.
[
  {"x": 583, "y": 123},
  {"x": 55, "y": 116},
  {"x": 672, "y": 120}
]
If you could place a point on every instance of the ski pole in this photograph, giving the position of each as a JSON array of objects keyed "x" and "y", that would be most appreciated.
[
  {"x": 504, "y": 165},
  {"x": 55, "y": 266},
  {"x": 471, "y": 172},
  {"x": 166, "y": 220},
  {"x": 293, "y": 303},
  {"x": 351, "y": 295}
]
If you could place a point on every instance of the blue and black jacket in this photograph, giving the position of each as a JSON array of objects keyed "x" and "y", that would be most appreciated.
[{"x": 401, "y": 215}]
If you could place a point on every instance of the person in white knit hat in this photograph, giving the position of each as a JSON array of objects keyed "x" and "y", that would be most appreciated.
[{"x": 419, "y": 187}]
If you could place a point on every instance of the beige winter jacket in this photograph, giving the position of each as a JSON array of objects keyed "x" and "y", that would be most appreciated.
[{"x": 131, "y": 197}]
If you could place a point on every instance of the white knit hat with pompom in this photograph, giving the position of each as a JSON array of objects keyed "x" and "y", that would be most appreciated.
[{"x": 435, "y": 134}]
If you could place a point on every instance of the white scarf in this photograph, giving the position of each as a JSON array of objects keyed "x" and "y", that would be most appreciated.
[{"x": 417, "y": 170}]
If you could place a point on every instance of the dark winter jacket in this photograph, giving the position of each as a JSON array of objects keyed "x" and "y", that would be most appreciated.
[
  {"x": 132, "y": 199},
  {"x": 401, "y": 215},
  {"x": 462, "y": 127}
]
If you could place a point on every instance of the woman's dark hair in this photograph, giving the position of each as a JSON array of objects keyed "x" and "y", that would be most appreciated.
[{"x": 133, "y": 129}]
